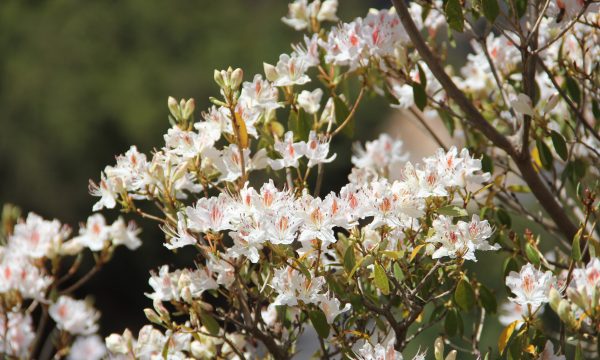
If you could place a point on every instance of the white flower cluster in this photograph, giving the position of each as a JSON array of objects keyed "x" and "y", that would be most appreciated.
[
  {"x": 24, "y": 277},
  {"x": 152, "y": 344}
]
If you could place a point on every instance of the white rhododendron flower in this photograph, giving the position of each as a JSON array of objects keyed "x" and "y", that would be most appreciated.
[
  {"x": 87, "y": 348},
  {"x": 460, "y": 240},
  {"x": 530, "y": 286},
  {"x": 310, "y": 101},
  {"x": 16, "y": 334},
  {"x": 548, "y": 353},
  {"x": 74, "y": 316}
]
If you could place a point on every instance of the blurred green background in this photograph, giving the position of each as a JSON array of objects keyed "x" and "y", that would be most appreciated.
[{"x": 82, "y": 81}]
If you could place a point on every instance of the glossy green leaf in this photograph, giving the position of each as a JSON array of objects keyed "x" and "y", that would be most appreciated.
[
  {"x": 448, "y": 121},
  {"x": 576, "y": 247},
  {"x": 381, "y": 280},
  {"x": 490, "y": 9},
  {"x": 349, "y": 259},
  {"x": 503, "y": 217},
  {"x": 209, "y": 323},
  {"x": 560, "y": 145},
  {"x": 464, "y": 295},
  {"x": 533, "y": 255},
  {"x": 398, "y": 273},
  {"x": 487, "y": 299},
  {"x": 319, "y": 322},
  {"x": 419, "y": 95},
  {"x": 545, "y": 154},
  {"x": 487, "y": 165},
  {"x": 451, "y": 323},
  {"x": 422, "y": 76},
  {"x": 454, "y": 15},
  {"x": 452, "y": 210},
  {"x": 573, "y": 89}
]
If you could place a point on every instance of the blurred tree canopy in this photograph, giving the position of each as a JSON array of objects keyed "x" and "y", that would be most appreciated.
[{"x": 81, "y": 81}]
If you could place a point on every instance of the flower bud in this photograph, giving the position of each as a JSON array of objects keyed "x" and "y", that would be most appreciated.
[
  {"x": 438, "y": 348},
  {"x": 554, "y": 299},
  {"x": 186, "y": 295},
  {"x": 551, "y": 103},
  {"x": 188, "y": 109},
  {"x": 576, "y": 297},
  {"x": 564, "y": 311},
  {"x": 161, "y": 309},
  {"x": 236, "y": 78},
  {"x": 451, "y": 355},
  {"x": 218, "y": 76},
  {"x": 152, "y": 316},
  {"x": 270, "y": 72},
  {"x": 174, "y": 107}
]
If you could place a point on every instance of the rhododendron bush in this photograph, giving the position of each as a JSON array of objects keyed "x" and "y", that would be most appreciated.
[{"x": 365, "y": 270}]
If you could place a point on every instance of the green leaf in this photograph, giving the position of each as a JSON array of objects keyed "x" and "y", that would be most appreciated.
[
  {"x": 579, "y": 352},
  {"x": 518, "y": 188},
  {"x": 349, "y": 259},
  {"x": 398, "y": 273},
  {"x": 448, "y": 121},
  {"x": 510, "y": 264},
  {"x": 452, "y": 210},
  {"x": 488, "y": 300},
  {"x": 319, "y": 322},
  {"x": 454, "y": 15},
  {"x": 341, "y": 113},
  {"x": 300, "y": 123},
  {"x": 464, "y": 295},
  {"x": 573, "y": 89},
  {"x": 545, "y": 154},
  {"x": 521, "y": 6},
  {"x": 533, "y": 255},
  {"x": 381, "y": 280},
  {"x": 451, "y": 323},
  {"x": 303, "y": 268},
  {"x": 422, "y": 76},
  {"x": 209, "y": 323},
  {"x": 487, "y": 165},
  {"x": 576, "y": 247},
  {"x": 419, "y": 95},
  {"x": 490, "y": 9},
  {"x": 595, "y": 109},
  {"x": 503, "y": 217},
  {"x": 560, "y": 145}
]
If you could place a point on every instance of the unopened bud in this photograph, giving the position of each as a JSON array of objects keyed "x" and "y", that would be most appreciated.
[
  {"x": 186, "y": 295},
  {"x": 451, "y": 355},
  {"x": 564, "y": 311},
  {"x": 161, "y": 309},
  {"x": 236, "y": 78},
  {"x": 576, "y": 297},
  {"x": 438, "y": 348},
  {"x": 152, "y": 316},
  {"x": 551, "y": 104},
  {"x": 174, "y": 108},
  {"x": 188, "y": 109},
  {"x": 270, "y": 72},
  {"x": 219, "y": 78},
  {"x": 554, "y": 299}
]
